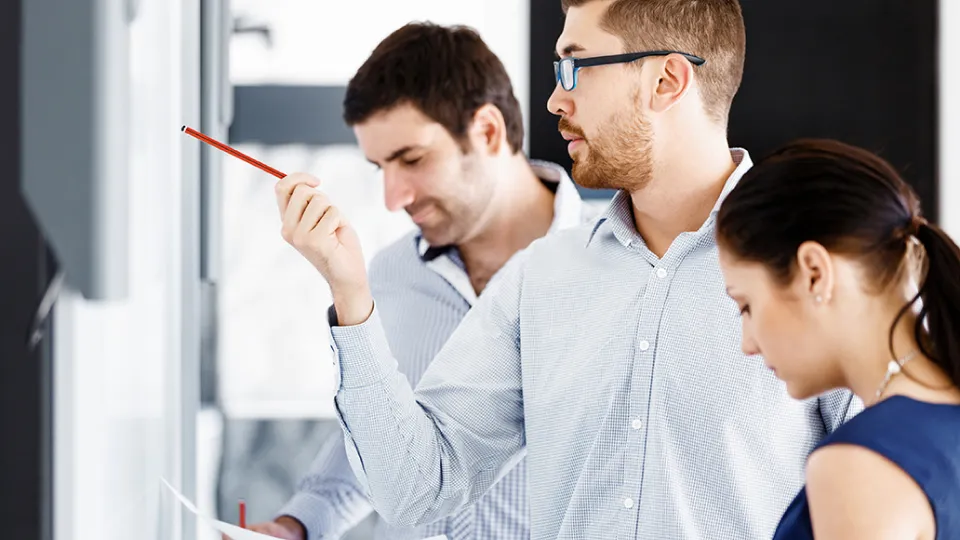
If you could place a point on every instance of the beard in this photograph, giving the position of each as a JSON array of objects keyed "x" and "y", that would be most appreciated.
[{"x": 619, "y": 156}]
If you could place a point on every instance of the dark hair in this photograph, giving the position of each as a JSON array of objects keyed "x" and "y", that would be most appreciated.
[
  {"x": 710, "y": 29},
  {"x": 448, "y": 73},
  {"x": 854, "y": 203}
]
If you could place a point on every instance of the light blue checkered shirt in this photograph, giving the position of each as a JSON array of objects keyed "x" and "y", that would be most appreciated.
[
  {"x": 422, "y": 295},
  {"x": 620, "y": 376}
]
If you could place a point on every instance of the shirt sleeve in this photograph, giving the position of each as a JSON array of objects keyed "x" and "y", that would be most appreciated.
[
  {"x": 424, "y": 455},
  {"x": 838, "y": 406},
  {"x": 329, "y": 500}
]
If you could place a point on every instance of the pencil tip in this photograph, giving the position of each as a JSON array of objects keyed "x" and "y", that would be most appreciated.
[{"x": 183, "y": 128}]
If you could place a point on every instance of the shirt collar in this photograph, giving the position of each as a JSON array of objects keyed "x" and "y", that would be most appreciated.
[
  {"x": 619, "y": 213},
  {"x": 567, "y": 205}
]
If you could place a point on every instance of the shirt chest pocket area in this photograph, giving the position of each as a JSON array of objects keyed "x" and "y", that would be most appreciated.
[{"x": 576, "y": 357}]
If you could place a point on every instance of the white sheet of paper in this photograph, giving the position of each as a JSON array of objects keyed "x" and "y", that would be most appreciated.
[{"x": 234, "y": 532}]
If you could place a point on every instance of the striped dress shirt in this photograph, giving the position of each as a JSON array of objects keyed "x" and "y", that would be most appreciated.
[
  {"x": 422, "y": 294},
  {"x": 617, "y": 374}
]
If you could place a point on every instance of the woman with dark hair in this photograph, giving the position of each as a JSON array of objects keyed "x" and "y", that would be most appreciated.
[{"x": 841, "y": 283}]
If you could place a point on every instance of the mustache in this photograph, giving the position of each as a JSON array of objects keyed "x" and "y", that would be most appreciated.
[{"x": 567, "y": 126}]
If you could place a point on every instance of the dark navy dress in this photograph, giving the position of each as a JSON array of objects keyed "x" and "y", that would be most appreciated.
[{"x": 922, "y": 438}]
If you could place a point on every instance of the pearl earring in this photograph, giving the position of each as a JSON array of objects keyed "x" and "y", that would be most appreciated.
[{"x": 818, "y": 299}]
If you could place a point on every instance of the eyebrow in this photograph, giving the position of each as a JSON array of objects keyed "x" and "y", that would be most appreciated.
[
  {"x": 570, "y": 49},
  {"x": 397, "y": 154}
]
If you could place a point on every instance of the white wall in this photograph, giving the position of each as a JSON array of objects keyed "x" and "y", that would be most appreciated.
[
  {"x": 949, "y": 57},
  {"x": 323, "y": 43},
  {"x": 274, "y": 355},
  {"x": 122, "y": 418}
]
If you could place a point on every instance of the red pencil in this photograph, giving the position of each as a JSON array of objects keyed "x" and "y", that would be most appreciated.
[
  {"x": 237, "y": 154},
  {"x": 243, "y": 514}
]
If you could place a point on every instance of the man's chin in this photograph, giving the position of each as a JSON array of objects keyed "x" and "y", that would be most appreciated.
[
  {"x": 584, "y": 176},
  {"x": 437, "y": 237}
]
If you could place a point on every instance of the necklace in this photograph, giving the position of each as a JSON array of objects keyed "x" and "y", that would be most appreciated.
[{"x": 893, "y": 367}]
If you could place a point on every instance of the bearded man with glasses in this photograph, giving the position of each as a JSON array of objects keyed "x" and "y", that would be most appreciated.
[{"x": 608, "y": 353}]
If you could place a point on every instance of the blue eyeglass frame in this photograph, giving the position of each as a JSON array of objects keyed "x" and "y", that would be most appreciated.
[{"x": 612, "y": 59}]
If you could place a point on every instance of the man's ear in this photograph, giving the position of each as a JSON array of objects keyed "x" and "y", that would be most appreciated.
[
  {"x": 488, "y": 130},
  {"x": 674, "y": 79}
]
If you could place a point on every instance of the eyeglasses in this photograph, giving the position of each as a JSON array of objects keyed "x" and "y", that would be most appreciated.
[{"x": 566, "y": 69}]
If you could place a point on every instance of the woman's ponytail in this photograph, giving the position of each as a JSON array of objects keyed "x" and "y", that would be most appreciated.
[{"x": 938, "y": 325}]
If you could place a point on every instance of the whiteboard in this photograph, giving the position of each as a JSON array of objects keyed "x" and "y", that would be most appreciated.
[{"x": 126, "y": 388}]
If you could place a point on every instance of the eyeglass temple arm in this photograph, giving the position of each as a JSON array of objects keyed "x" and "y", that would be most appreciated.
[{"x": 630, "y": 57}]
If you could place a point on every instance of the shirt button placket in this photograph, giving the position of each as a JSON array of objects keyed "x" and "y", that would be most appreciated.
[{"x": 651, "y": 311}]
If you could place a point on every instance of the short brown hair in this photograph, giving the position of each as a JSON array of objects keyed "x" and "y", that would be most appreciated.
[
  {"x": 446, "y": 72},
  {"x": 710, "y": 29}
]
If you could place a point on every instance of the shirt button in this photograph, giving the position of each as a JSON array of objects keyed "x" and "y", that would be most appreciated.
[
  {"x": 637, "y": 423},
  {"x": 628, "y": 503},
  {"x": 644, "y": 345},
  {"x": 661, "y": 273}
]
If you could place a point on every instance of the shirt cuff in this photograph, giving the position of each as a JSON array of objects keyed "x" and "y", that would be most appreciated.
[
  {"x": 361, "y": 354},
  {"x": 316, "y": 515}
]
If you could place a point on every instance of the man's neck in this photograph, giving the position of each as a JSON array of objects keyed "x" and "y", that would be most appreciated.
[
  {"x": 523, "y": 212},
  {"x": 682, "y": 193}
]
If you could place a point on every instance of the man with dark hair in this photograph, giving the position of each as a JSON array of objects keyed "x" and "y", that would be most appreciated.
[
  {"x": 434, "y": 109},
  {"x": 607, "y": 354}
]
